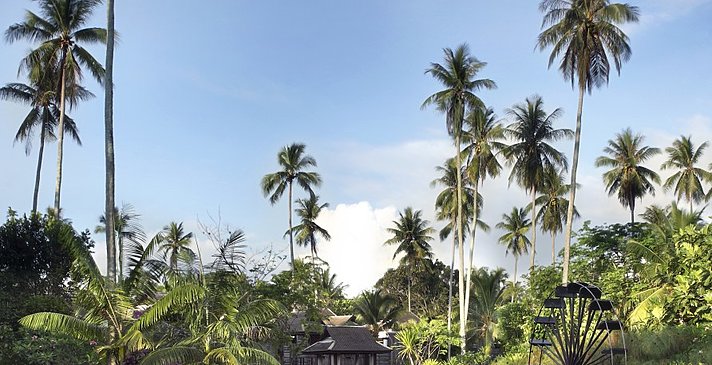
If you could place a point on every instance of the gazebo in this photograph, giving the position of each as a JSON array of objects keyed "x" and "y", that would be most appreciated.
[{"x": 346, "y": 345}]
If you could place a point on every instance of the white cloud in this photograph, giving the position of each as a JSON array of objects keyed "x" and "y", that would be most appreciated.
[
  {"x": 657, "y": 12},
  {"x": 356, "y": 253}
]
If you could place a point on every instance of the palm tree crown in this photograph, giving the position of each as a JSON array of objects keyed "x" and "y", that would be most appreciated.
[
  {"x": 585, "y": 34},
  {"x": 627, "y": 177},
  {"x": 515, "y": 225},
  {"x": 683, "y": 158},
  {"x": 292, "y": 162},
  {"x": 532, "y": 130},
  {"x": 411, "y": 233},
  {"x": 44, "y": 115},
  {"x": 308, "y": 210},
  {"x": 376, "y": 309},
  {"x": 553, "y": 204},
  {"x": 175, "y": 244}
]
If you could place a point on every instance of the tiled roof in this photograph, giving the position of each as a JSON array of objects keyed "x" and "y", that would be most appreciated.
[{"x": 346, "y": 339}]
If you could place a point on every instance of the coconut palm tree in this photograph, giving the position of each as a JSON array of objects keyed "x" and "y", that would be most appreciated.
[
  {"x": 684, "y": 158},
  {"x": 411, "y": 234},
  {"x": 515, "y": 226},
  {"x": 58, "y": 29},
  {"x": 457, "y": 76},
  {"x": 531, "y": 153},
  {"x": 175, "y": 243},
  {"x": 103, "y": 310},
  {"x": 585, "y": 35},
  {"x": 292, "y": 162},
  {"x": 43, "y": 115},
  {"x": 226, "y": 325},
  {"x": 482, "y": 136},
  {"x": 627, "y": 177},
  {"x": 446, "y": 210},
  {"x": 126, "y": 230},
  {"x": 488, "y": 287},
  {"x": 110, "y": 189},
  {"x": 553, "y": 203},
  {"x": 306, "y": 231},
  {"x": 376, "y": 309}
]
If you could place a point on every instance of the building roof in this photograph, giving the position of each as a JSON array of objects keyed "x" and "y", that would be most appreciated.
[{"x": 346, "y": 340}]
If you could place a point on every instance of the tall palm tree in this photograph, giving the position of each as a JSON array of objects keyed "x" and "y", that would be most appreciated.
[
  {"x": 553, "y": 203},
  {"x": 457, "y": 76},
  {"x": 308, "y": 210},
  {"x": 683, "y": 158},
  {"x": 488, "y": 287},
  {"x": 584, "y": 34},
  {"x": 627, "y": 177},
  {"x": 292, "y": 162},
  {"x": 411, "y": 234},
  {"x": 43, "y": 115},
  {"x": 447, "y": 210},
  {"x": 515, "y": 226},
  {"x": 376, "y": 309},
  {"x": 174, "y": 243},
  {"x": 58, "y": 29},
  {"x": 531, "y": 154},
  {"x": 126, "y": 230},
  {"x": 110, "y": 188},
  {"x": 482, "y": 137}
]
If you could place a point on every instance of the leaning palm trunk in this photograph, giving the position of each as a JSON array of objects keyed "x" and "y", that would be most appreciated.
[
  {"x": 109, "y": 149},
  {"x": 60, "y": 135},
  {"x": 291, "y": 235},
  {"x": 461, "y": 249},
  {"x": 572, "y": 197},
  {"x": 471, "y": 263},
  {"x": 533, "y": 253},
  {"x": 553, "y": 249},
  {"x": 39, "y": 169}
]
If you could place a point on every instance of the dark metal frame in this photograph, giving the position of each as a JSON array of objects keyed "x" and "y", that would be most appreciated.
[{"x": 573, "y": 327}]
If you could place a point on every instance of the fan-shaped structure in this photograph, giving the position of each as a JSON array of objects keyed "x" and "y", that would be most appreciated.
[{"x": 575, "y": 326}]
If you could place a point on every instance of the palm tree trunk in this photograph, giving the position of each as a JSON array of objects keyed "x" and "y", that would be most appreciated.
[
  {"x": 291, "y": 236},
  {"x": 553, "y": 249},
  {"x": 516, "y": 264},
  {"x": 632, "y": 215},
  {"x": 39, "y": 168},
  {"x": 572, "y": 196},
  {"x": 461, "y": 249},
  {"x": 470, "y": 264},
  {"x": 120, "y": 257},
  {"x": 60, "y": 135},
  {"x": 109, "y": 147},
  {"x": 449, "y": 297},
  {"x": 533, "y": 252},
  {"x": 409, "y": 293}
]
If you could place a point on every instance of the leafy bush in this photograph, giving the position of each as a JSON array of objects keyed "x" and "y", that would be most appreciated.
[{"x": 670, "y": 345}]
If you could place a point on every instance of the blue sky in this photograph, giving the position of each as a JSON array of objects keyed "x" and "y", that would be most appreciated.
[{"x": 206, "y": 94}]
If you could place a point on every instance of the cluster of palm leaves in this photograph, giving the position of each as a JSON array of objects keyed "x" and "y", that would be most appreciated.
[
  {"x": 54, "y": 71},
  {"x": 630, "y": 180},
  {"x": 201, "y": 314},
  {"x": 293, "y": 162}
]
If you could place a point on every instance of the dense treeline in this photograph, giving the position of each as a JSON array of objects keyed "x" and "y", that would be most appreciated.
[{"x": 162, "y": 302}]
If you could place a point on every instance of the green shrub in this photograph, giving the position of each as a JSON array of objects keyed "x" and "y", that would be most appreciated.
[{"x": 670, "y": 345}]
